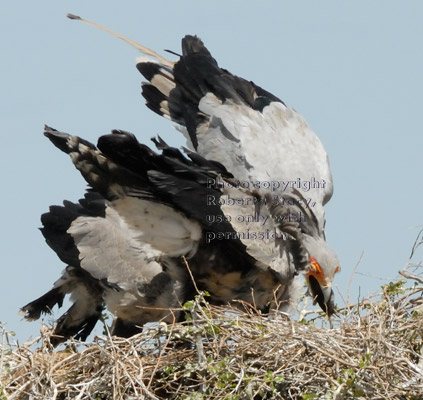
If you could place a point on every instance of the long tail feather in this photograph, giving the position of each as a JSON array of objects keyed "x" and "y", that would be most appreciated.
[{"x": 141, "y": 48}]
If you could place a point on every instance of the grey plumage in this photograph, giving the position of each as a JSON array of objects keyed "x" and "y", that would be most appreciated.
[{"x": 234, "y": 205}]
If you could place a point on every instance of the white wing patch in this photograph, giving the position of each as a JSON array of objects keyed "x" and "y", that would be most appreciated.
[
  {"x": 149, "y": 284},
  {"x": 164, "y": 80},
  {"x": 160, "y": 226},
  {"x": 109, "y": 250}
]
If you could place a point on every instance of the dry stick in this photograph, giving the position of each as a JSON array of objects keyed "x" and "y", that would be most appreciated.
[
  {"x": 161, "y": 352},
  {"x": 417, "y": 243},
  {"x": 3, "y": 346},
  {"x": 19, "y": 391},
  {"x": 390, "y": 346},
  {"x": 141, "y": 48},
  {"x": 351, "y": 277},
  {"x": 191, "y": 275},
  {"x": 410, "y": 276},
  {"x": 198, "y": 337}
]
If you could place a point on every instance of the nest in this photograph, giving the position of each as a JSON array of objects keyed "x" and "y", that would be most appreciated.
[{"x": 375, "y": 351}]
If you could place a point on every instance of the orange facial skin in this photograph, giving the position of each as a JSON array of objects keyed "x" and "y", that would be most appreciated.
[
  {"x": 316, "y": 270},
  {"x": 320, "y": 287}
]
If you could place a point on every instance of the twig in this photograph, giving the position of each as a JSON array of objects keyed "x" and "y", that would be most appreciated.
[
  {"x": 376, "y": 352},
  {"x": 191, "y": 275},
  {"x": 351, "y": 277},
  {"x": 410, "y": 276},
  {"x": 417, "y": 243}
]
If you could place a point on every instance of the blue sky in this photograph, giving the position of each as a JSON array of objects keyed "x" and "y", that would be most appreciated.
[{"x": 352, "y": 69}]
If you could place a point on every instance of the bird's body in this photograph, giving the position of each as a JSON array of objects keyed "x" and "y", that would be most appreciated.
[{"x": 242, "y": 209}]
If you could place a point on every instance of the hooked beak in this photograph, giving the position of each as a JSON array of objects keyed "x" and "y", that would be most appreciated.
[{"x": 321, "y": 291}]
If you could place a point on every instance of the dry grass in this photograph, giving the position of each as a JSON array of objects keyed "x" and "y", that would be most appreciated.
[{"x": 375, "y": 351}]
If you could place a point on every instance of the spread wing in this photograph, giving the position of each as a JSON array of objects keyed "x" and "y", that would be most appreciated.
[
  {"x": 107, "y": 265},
  {"x": 173, "y": 203},
  {"x": 234, "y": 121}
]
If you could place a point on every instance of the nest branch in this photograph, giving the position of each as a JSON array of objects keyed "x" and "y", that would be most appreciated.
[{"x": 375, "y": 351}]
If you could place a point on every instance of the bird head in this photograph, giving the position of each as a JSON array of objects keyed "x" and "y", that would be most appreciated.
[{"x": 323, "y": 265}]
